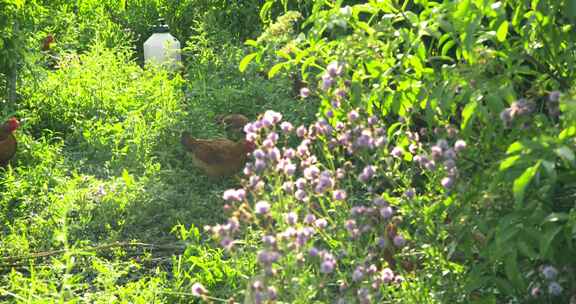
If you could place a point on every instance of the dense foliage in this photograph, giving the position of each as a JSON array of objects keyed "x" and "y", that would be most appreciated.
[{"x": 407, "y": 152}]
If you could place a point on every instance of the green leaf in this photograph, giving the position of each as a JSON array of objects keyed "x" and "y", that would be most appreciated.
[
  {"x": 246, "y": 60},
  {"x": 502, "y": 31},
  {"x": 476, "y": 280},
  {"x": 392, "y": 129},
  {"x": 494, "y": 102},
  {"x": 567, "y": 133},
  {"x": 527, "y": 250},
  {"x": 284, "y": 55},
  {"x": 566, "y": 154},
  {"x": 507, "y": 234},
  {"x": 512, "y": 270},
  {"x": 307, "y": 63},
  {"x": 518, "y": 12},
  {"x": 265, "y": 11},
  {"x": 547, "y": 239},
  {"x": 412, "y": 18},
  {"x": 522, "y": 182},
  {"x": 447, "y": 46},
  {"x": 556, "y": 217},
  {"x": 462, "y": 10},
  {"x": 571, "y": 9},
  {"x": 549, "y": 168},
  {"x": 503, "y": 285},
  {"x": 275, "y": 69},
  {"x": 515, "y": 147},
  {"x": 128, "y": 179},
  {"x": 356, "y": 92},
  {"x": 251, "y": 42},
  {"x": 468, "y": 115},
  {"x": 366, "y": 27},
  {"x": 509, "y": 162}
]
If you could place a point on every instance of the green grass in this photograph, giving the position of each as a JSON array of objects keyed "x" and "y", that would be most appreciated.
[
  {"x": 90, "y": 203},
  {"x": 102, "y": 204}
]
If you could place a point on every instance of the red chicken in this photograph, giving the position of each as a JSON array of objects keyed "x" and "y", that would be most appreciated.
[
  {"x": 217, "y": 157},
  {"x": 7, "y": 140},
  {"x": 47, "y": 42}
]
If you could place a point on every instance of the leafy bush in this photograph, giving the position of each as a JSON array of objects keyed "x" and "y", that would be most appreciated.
[
  {"x": 412, "y": 152},
  {"x": 98, "y": 156},
  {"x": 424, "y": 74}
]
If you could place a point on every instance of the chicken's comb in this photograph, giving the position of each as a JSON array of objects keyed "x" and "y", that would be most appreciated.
[{"x": 13, "y": 124}]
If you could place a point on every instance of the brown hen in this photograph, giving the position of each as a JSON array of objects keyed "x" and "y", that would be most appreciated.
[
  {"x": 8, "y": 142},
  {"x": 217, "y": 157}
]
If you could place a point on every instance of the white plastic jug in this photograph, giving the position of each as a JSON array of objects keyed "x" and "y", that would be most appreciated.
[{"x": 163, "y": 49}]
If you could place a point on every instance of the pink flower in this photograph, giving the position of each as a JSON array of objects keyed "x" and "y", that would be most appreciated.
[
  {"x": 367, "y": 173},
  {"x": 321, "y": 223},
  {"x": 328, "y": 265},
  {"x": 459, "y": 145},
  {"x": 555, "y": 289},
  {"x": 258, "y": 153},
  {"x": 301, "y": 131},
  {"x": 274, "y": 154},
  {"x": 430, "y": 165},
  {"x": 339, "y": 195},
  {"x": 301, "y": 195},
  {"x": 549, "y": 272},
  {"x": 304, "y": 92},
  {"x": 229, "y": 194},
  {"x": 340, "y": 93},
  {"x": 289, "y": 153},
  {"x": 259, "y": 165},
  {"x": 273, "y": 116},
  {"x": 309, "y": 219},
  {"x": 262, "y": 207},
  {"x": 447, "y": 182},
  {"x": 198, "y": 290},
  {"x": 358, "y": 274},
  {"x": 386, "y": 212},
  {"x": 436, "y": 152},
  {"x": 289, "y": 169},
  {"x": 267, "y": 257},
  {"x": 269, "y": 240},
  {"x": 397, "y": 152},
  {"x": 387, "y": 275},
  {"x": 286, "y": 127},
  {"x": 314, "y": 252},
  {"x": 334, "y": 69},
  {"x": 327, "y": 82},
  {"x": 450, "y": 154},
  {"x": 273, "y": 137},
  {"x": 380, "y": 202},
  {"x": 291, "y": 218},
  {"x": 399, "y": 241},
  {"x": 311, "y": 172},
  {"x": 234, "y": 195},
  {"x": 353, "y": 115},
  {"x": 288, "y": 187}
]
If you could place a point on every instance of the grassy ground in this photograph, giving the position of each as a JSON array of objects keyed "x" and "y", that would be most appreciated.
[{"x": 100, "y": 166}]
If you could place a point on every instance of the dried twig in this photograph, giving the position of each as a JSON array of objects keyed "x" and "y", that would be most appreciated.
[{"x": 16, "y": 261}]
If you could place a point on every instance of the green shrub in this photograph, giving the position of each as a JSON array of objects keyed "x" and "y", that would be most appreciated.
[{"x": 426, "y": 74}]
